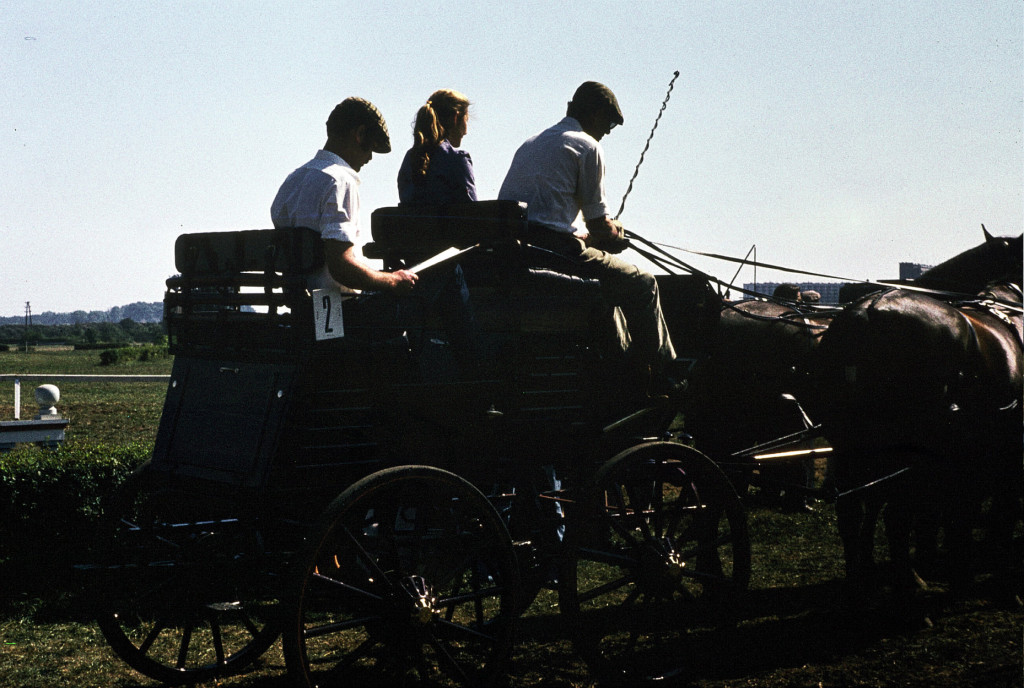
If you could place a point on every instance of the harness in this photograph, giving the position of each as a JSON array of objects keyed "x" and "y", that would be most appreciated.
[
  {"x": 999, "y": 310},
  {"x": 796, "y": 318}
]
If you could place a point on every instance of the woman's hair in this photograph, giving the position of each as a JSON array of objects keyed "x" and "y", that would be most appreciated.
[{"x": 433, "y": 119}]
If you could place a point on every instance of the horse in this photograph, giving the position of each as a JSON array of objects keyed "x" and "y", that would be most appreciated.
[
  {"x": 747, "y": 389},
  {"x": 971, "y": 271},
  {"x": 920, "y": 399}
]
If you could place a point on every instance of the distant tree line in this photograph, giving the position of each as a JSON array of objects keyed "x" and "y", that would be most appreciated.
[
  {"x": 84, "y": 335},
  {"x": 139, "y": 312}
]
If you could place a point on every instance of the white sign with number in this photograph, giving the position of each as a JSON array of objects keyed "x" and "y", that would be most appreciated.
[{"x": 327, "y": 313}]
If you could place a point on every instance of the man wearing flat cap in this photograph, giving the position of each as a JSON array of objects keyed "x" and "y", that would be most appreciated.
[
  {"x": 323, "y": 195},
  {"x": 559, "y": 173}
]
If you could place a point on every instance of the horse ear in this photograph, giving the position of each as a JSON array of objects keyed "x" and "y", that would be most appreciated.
[{"x": 988, "y": 237}]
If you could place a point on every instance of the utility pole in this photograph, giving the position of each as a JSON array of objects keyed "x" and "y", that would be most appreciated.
[{"x": 28, "y": 322}]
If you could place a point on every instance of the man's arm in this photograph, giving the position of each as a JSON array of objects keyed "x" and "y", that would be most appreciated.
[{"x": 346, "y": 268}]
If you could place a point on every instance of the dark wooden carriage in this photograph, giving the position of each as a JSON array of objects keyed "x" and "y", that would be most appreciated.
[{"x": 381, "y": 497}]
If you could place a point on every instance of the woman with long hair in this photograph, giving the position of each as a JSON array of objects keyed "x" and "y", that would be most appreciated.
[{"x": 435, "y": 170}]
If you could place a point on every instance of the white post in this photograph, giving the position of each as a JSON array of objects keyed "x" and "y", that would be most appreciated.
[{"x": 17, "y": 399}]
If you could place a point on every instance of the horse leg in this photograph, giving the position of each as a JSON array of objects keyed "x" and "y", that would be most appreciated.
[
  {"x": 857, "y": 519},
  {"x": 898, "y": 518},
  {"x": 960, "y": 546},
  {"x": 1004, "y": 514},
  {"x": 926, "y": 539}
]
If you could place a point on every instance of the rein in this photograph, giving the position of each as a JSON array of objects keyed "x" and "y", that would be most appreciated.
[{"x": 951, "y": 296}]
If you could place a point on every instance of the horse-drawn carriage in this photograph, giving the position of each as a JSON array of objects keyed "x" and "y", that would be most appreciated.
[
  {"x": 387, "y": 495},
  {"x": 342, "y": 475}
]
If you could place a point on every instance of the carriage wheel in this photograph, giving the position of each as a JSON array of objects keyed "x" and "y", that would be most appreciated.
[
  {"x": 180, "y": 602},
  {"x": 412, "y": 575},
  {"x": 657, "y": 549}
]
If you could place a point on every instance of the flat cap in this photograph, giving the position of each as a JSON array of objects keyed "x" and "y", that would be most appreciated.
[
  {"x": 353, "y": 112},
  {"x": 594, "y": 96}
]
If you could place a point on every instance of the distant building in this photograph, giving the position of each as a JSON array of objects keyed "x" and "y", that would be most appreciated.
[{"x": 830, "y": 290}]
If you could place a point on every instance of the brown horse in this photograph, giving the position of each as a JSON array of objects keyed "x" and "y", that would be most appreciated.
[
  {"x": 921, "y": 400},
  {"x": 758, "y": 353}
]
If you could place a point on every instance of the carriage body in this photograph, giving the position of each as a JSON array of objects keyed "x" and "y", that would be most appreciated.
[
  {"x": 279, "y": 449},
  {"x": 258, "y": 407}
]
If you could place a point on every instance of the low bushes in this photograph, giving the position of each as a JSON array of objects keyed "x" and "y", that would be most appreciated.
[
  {"x": 149, "y": 352},
  {"x": 61, "y": 491}
]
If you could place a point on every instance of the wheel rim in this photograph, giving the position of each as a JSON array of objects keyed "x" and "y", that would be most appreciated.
[
  {"x": 659, "y": 552},
  {"x": 414, "y": 575},
  {"x": 181, "y": 602}
]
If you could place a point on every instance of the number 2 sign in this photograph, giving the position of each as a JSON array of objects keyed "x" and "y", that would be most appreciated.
[{"x": 327, "y": 313}]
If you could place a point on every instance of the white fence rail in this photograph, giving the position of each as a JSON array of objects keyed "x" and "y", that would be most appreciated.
[{"x": 60, "y": 377}]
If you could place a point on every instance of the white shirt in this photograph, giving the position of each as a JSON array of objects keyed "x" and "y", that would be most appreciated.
[
  {"x": 559, "y": 173},
  {"x": 322, "y": 195}
]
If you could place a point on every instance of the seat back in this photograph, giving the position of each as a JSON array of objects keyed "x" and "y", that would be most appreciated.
[
  {"x": 242, "y": 290},
  {"x": 412, "y": 233}
]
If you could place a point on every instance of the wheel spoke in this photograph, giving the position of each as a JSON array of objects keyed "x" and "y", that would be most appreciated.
[
  {"x": 339, "y": 626},
  {"x": 218, "y": 643},
  {"x": 371, "y": 561},
  {"x": 616, "y": 515},
  {"x": 248, "y": 622},
  {"x": 154, "y": 633},
  {"x": 606, "y": 588},
  {"x": 457, "y": 630},
  {"x": 640, "y": 515},
  {"x": 446, "y": 659},
  {"x": 336, "y": 674},
  {"x": 700, "y": 548},
  {"x": 332, "y": 587},
  {"x": 621, "y": 558},
  {"x": 186, "y": 640}
]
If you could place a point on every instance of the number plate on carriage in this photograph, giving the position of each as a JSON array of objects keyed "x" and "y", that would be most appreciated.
[{"x": 327, "y": 313}]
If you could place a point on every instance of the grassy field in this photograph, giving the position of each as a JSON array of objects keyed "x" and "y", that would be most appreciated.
[
  {"x": 793, "y": 631},
  {"x": 99, "y": 412}
]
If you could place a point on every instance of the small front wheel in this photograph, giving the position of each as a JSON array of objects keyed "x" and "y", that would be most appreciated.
[
  {"x": 657, "y": 548},
  {"x": 180, "y": 597}
]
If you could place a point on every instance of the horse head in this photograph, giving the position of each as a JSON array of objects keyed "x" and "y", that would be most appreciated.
[{"x": 997, "y": 258}]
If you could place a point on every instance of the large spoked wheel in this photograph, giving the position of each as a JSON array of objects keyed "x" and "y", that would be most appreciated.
[
  {"x": 412, "y": 576},
  {"x": 657, "y": 549},
  {"x": 180, "y": 599}
]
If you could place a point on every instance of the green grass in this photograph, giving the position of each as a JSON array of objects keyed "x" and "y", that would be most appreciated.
[
  {"x": 99, "y": 412},
  {"x": 69, "y": 361}
]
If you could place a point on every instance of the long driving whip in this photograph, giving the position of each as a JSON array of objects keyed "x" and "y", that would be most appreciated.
[{"x": 657, "y": 119}]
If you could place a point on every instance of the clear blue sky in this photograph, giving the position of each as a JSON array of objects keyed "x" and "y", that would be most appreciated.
[{"x": 839, "y": 137}]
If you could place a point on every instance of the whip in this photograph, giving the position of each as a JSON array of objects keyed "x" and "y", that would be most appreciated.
[{"x": 664, "y": 104}]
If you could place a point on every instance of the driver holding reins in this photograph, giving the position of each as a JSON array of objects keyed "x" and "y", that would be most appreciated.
[{"x": 559, "y": 173}]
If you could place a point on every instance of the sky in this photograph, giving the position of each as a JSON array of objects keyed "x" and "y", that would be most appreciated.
[{"x": 835, "y": 137}]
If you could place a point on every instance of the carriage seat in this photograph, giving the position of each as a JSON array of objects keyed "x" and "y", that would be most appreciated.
[
  {"x": 552, "y": 301},
  {"x": 411, "y": 233},
  {"x": 242, "y": 289}
]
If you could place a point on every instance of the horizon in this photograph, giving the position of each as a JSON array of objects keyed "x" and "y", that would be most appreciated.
[{"x": 837, "y": 138}]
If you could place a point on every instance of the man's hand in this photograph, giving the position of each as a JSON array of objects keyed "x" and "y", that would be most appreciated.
[
  {"x": 401, "y": 281},
  {"x": 607, "y": 235},
  {"x": 346, "y": 268}
]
